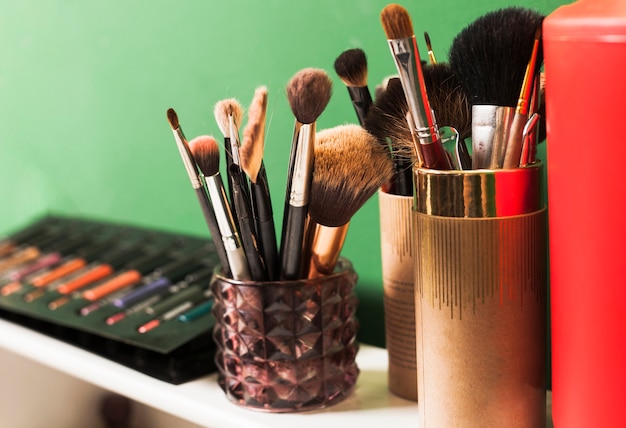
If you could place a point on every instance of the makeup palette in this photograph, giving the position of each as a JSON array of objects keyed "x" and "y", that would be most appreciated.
[{"x": 136, "y": 296}]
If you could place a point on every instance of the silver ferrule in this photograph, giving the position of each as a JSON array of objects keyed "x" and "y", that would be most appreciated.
[
  {"x": 303, "y": 166},
  {"x": 223, "y": 214},
  {"x": 232, "y": 242},
  {"x": 490, "y": 129},
  {"x": 185, "y": 155},
  {"x": 406, "y": 58}
]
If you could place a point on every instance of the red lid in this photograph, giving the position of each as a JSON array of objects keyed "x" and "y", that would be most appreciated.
[{"x": 588, "y": 20}]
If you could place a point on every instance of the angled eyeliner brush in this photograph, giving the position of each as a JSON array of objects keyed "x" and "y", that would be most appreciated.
[
  {"x": 252, "y": 163},
  {"x": 196, "y": 184},
  {"x": 206, "y": 153},
  {"x": 399, "y": 30},
  {"x": 351, "y": 67},
  {"x": 308, "y": 93}
]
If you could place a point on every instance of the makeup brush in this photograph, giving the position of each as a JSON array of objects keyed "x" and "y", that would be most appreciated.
[
  {"x": 196, "y": 184},
  {"x": 513, "y": 146},
  {"x": 490, "y": 64},
  {"x": 341, "y": 186},
  {"x": 251, "y": 154},
  {"x": 387, "y": 122},
  {"x": 206, "y": 153},
  {"x": 351, "y": 67},
  {"x": 308, "y": 92},
  {"x": 398, "y": 27},
  {"x": 429, "y": 47},
  {"x": 229, "y": 115}
]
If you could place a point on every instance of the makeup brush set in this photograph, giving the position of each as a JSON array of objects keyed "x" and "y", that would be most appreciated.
[
  {"x": 324, "y": 187},
  {"x": 136, "y": 296}
]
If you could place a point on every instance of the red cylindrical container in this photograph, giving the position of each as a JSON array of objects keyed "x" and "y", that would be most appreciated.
[{"x": 585, "y": 69}]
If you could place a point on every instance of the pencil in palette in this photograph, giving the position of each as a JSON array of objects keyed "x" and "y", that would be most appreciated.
[
  {"x": 131, "y": 276},
  {"x": 174, "y": 306},
  {"x": 92, "y": 259},
  {"x": 165, "y": 277},
  {"x": 203, "y": 275}
]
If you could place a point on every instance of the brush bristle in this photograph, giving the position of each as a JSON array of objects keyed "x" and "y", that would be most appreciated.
[
  {"x": 386, "y": 119},
  {"x": 251, "y": 150},
  {"x": 225, "y": 108},
  {"x": 447, "y": 98},
  {"x": 206, "y": 154},
  {"x": 341, "y": 184},
  {"x": 308, "y": 92},
  {"x": 172, "y": 118},
  {"x": 351, "y": 67},
  {"x": 396, "y": 22},
  {"x": 490, "y": 55},
  {"x": 429, "y": 45}
]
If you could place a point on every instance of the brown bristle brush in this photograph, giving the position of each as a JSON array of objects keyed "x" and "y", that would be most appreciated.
[
  {"x": 251, "y": 154},
  {"x": 228, "y": 115},
  {"x": 491, "y": 63},
  {"x": 341, "y": 185},
  {"x": 308, "y": 92},
  {"x": 398, "y": 27},
  {"x": 351, "y": 67},
  {"x": 206, "y": 154},
  {"x": 198, "y": 187}
]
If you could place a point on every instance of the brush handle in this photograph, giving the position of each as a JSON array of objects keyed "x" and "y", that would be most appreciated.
[
  {"x": 402, "y": 181},
  {"x": 264, "y": 221},
  {"x": 246, "y": 227},
  {"x": 513, "y": 150},
  {"x": 214, "y": 230},
  {"x": 228, "y": 151},
  {"x": 291, "y": 246},
  {"x": 326, "y": 247},
  {"x": 361, "y": 101}
]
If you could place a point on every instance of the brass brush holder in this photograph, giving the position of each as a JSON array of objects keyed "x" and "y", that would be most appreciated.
[{"x": 480, "y": 297}]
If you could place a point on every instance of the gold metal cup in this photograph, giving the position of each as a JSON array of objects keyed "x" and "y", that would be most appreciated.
[{"x": 480, "y": 277}]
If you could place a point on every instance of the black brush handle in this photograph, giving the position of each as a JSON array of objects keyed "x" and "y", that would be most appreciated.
[
  {"x": 247, "y": 233},
  {"x": 264, "y": 221},
  {"x": 214, "y": 230},
  {"x": 402, "y": 181},
  {"x": 291, "y": 245},
  {"x": 361, "y": 101},
  {"x": 229, "y": 181}
]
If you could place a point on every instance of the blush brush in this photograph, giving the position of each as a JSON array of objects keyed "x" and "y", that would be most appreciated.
[
  {"x": 340, "y": 187},
  {"x": 351, "y": 67},
  {"x": 308, "y": 93}
]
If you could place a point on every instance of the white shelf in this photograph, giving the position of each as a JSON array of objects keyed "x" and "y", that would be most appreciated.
[{"x": 202, "y": 401}]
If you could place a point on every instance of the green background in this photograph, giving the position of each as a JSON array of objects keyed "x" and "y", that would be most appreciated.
[{"x": 84, "y": 87}]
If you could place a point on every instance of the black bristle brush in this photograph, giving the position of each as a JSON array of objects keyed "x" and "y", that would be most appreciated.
[
  {"x": 351, "y": 67},
  {"x": 308, "y": 93},
  {"x": 490, "y": 57},
  {"x": 340, "y": 187}
]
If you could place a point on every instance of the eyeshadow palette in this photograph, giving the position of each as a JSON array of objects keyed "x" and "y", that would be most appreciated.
[{"x": 136, "y": 296}]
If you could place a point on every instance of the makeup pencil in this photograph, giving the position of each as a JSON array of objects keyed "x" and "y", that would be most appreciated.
[
  {"x": 398, "y": 27},
  {"x": 206, "y": 153},
  {"x": 196, "y": 184},
  {"x": 341, "y": 186},
  {"x": 251, "y": 153},
  {"x": 351, "y": 67},
  {"x": 308, "y": 93}
]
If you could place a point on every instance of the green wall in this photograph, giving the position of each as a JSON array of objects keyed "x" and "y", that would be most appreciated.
[{"x": 84, "y": 87}]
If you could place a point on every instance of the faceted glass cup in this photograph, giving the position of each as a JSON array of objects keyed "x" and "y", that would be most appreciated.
[{"x": 287, "y": 346}]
